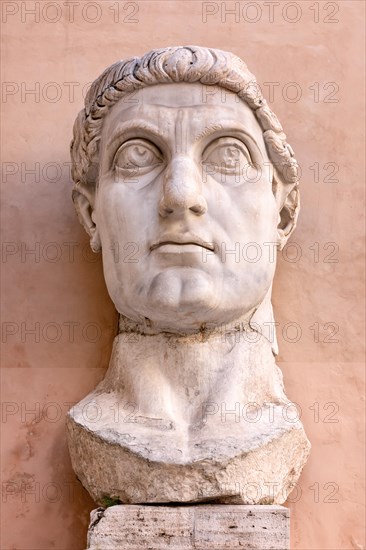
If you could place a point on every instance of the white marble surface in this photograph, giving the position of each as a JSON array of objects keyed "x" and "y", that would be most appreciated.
[{"x": 194, "y": 193}]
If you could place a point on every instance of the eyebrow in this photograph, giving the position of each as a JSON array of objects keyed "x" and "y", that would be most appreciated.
[
  {"x": 136, "y": 124},
  {"x": 226, "y": 125},
  {"x": 230, "y": 126},
  {"x": 207, "y": 131}
]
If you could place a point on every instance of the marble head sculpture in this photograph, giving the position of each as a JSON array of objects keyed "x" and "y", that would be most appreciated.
[{"x": 185, "y": 181}]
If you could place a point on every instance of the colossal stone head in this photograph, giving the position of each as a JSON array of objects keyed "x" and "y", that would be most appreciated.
[{"x": 184, "y": 179}]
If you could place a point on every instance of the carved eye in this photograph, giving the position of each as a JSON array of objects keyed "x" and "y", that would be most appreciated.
[
  {"x": 137, "y": 156},
  {"x": 228, "y": 153},
  {"x": 228, "y": 160}
]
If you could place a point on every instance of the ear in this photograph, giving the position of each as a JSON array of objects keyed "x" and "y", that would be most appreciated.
[
  {"x": 288, "y": 216},
  {"x": 83, "y": 202}
]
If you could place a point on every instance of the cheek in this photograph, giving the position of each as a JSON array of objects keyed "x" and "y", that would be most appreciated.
[
  {"x": 249, "y": 211},
  {"x": 265, "y": 219},
  {"x": 255, "y": 274},
  {"x": 126, "y": 210},
  {"x": 110, "y": 198},
  {"x": 116, "y": 211}
]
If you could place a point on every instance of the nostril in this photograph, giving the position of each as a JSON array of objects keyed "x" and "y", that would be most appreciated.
[
  {"x": 197, "y": 209},
  {"x": 168, "y": 210},
  {"x": 199, "y": 206}
]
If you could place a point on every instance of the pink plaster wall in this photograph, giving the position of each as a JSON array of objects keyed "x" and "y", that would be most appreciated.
[{"x": 43, "y": 505}]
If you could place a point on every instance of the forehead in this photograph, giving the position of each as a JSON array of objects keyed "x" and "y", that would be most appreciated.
[{"x": 200, "y": 106}]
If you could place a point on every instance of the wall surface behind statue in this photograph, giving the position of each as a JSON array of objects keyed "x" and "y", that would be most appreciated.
[{"x": 58, "y": 322}]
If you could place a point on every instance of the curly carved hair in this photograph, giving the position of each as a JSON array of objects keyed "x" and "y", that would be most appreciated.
[{"x": 207, "y": 66}]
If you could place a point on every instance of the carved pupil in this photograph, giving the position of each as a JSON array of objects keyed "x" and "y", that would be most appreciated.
[{"x": 139, "y": 156}]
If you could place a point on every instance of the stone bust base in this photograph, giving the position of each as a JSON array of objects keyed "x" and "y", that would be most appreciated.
[
  {"x": 204, "y": 527},
  {"x": 169, "y": 424}
]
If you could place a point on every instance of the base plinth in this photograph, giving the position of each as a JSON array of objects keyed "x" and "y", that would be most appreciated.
[{"x": 203, "y": 527}]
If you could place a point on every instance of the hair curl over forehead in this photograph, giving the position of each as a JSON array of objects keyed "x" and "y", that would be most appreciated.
[{"x": 207, "y": 66}]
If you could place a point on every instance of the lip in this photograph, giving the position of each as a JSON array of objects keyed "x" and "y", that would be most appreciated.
[{"x": 187, "y": 239}]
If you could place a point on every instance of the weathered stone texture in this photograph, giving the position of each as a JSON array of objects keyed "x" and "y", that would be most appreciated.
[{"x": 206, "y": 527}]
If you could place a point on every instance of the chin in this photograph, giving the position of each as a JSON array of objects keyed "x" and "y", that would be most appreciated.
[
  {"x": 181, "y": 290},
  {"x": 171, "y": 301},
  {"x": 188, "y": 312}
]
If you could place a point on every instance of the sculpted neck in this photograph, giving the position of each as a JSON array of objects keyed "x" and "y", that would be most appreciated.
[
  {"x": 247, "y": 329},
  {"x": 170, "y": 376}
]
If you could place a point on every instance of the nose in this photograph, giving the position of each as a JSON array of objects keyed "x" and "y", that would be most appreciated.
[{"x": 182, "y": 189}]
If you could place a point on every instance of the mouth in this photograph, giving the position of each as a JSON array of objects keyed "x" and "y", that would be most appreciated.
[{"x": 183, "y": 243}]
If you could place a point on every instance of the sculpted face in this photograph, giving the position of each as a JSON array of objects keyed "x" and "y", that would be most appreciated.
[{"x": 185, "y": 186}]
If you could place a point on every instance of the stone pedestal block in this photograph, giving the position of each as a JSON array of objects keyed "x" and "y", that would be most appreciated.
[{"x": 203, "y": 527}]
